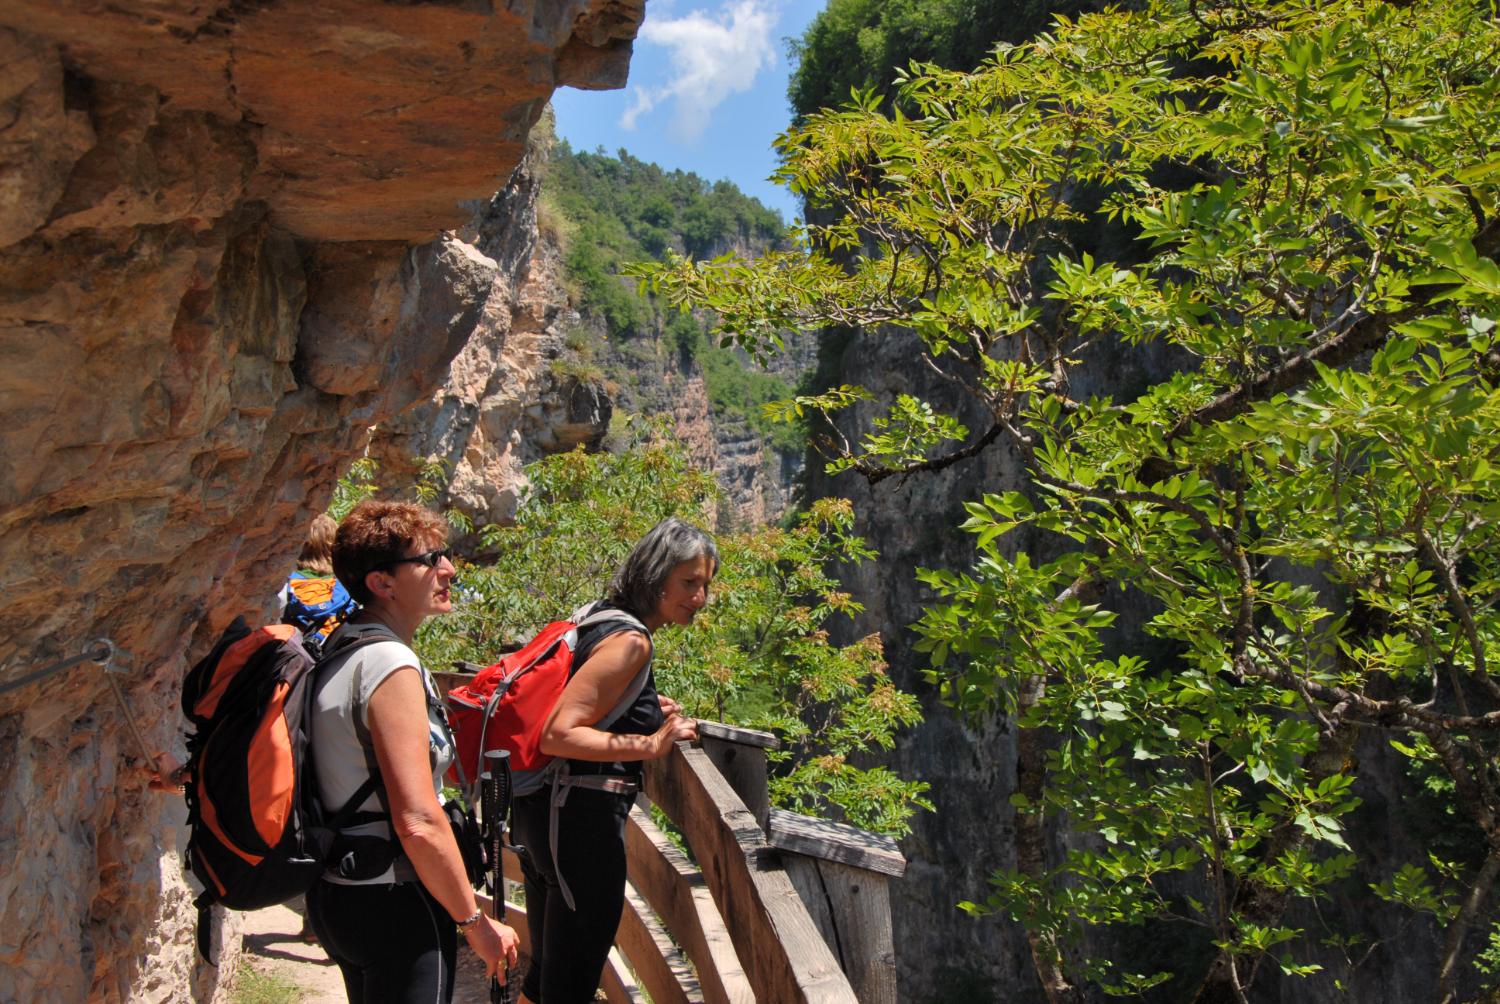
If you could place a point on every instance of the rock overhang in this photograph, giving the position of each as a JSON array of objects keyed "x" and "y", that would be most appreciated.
[
  {"x": 225, "y": 253},
  {"x": 371, "y": 121}
]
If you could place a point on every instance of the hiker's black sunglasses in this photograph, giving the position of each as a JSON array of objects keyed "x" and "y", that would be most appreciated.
[{"x": 427, "y": 559}]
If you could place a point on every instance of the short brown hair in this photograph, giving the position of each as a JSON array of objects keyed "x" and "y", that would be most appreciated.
[
  {"x": 378, "y": 533},
  {"x": 317, "y": 550}
]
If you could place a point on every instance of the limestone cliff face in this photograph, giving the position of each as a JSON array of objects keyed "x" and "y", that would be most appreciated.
[
  {"x": 756, "y": 479},
  {"x": 543, "y": 377},
  {"x": 218, "y": 270},
  {"x": 514, "y": 393},
  {"x": 945, "y": 955}
]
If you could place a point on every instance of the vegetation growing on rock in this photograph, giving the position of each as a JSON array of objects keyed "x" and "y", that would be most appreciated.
[
  {"x": 758, "y": 656},
  {"x": 608, "y": 211}
]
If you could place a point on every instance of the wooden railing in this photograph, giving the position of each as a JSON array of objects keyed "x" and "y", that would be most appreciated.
[{"x": 763, "y": 906}]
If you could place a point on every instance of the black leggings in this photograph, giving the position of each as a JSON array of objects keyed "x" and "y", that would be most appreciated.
[
  {"x": 568, "y": 947},
  {"x": 393, "y": 943}
]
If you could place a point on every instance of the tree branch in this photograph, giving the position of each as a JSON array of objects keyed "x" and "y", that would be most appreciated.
[
  {"x": 1378, "y": 712},
  {"x": 1460, "y": 606},
  {"x": 1459, "y": 929},
  {"x": 1258, "y": 902},
  {"x": 1362, "y": 336},
  {"x": 874, "y": 474}
]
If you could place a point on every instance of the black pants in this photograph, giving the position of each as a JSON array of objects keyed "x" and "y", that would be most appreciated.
[
  {"x": 569, "y": 947},
  {"x": 393, "y": 943}
]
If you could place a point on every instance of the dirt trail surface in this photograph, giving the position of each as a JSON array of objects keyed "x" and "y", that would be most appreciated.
[{"x": 273, "y": 944}]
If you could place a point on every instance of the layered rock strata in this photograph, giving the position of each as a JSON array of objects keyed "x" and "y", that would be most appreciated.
[
  {"x": 514, "y": 393},
  {"x": 546, "y": 378},
  {"x": 218, "y": 270}
]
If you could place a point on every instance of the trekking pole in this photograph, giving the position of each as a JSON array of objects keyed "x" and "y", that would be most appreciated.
[{"x": 494, "y": 788}]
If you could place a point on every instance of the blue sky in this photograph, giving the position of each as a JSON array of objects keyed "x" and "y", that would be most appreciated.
[{"x": 707, "y": 92}]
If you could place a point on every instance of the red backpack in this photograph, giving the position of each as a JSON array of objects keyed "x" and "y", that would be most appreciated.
[{"x": 506, "y": 705}]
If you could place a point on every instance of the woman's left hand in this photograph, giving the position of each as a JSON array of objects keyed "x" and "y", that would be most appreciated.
[
  {"x": 669, "y": 707},
  {"x": 169, "y": 774},
  {"x": 496, "y": 943}
]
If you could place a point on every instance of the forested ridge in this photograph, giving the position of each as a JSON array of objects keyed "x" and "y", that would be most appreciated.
[
  {"x": 607, "y": 211},
  {"x": 1205, "y": 296}
]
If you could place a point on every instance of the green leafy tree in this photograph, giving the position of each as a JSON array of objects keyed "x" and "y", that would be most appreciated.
[
  {"x": 1305, "y": 200},
  {"x": 356, "y": 485},
  {"x": 853, "y": 45},
  {"x": 758, "y": 655},
  {"x": 360, "y": 482}
]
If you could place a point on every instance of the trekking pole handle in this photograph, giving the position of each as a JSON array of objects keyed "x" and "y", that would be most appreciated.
[
  {"x": 497, "y": 764},
  {"x": 488, "y": 808}
]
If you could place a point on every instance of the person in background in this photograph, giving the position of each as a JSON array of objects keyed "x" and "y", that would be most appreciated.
[
  {"x": 315, "y": 603},
  {"x": 573, "y": 902},
  {"x": 390, "y": 915},
  {"x": 313, "y": 600}
]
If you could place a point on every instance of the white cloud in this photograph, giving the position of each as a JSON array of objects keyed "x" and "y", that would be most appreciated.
[{"x": 711, "y": 58}]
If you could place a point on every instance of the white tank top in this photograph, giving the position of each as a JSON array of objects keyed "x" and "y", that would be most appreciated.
[{"x": 341, "y": 759}]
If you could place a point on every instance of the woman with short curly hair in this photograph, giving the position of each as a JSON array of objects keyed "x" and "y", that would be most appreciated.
[{"x": 389, "y": 911}]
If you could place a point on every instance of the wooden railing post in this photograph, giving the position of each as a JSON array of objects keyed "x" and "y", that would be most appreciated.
[
  {"x": 740, "y": 755},
  {"x": 782, "y": 951},
  {"x": 674, "y": 889},
  {"x": 843, "y": 875}
]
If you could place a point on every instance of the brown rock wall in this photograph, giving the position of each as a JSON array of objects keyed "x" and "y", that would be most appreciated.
[
  {"x": 414, "y": 108},
  {"x": 510, "y": 396},
  {"x": 208, "y": 295}
]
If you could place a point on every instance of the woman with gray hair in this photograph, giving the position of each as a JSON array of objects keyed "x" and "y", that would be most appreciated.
[{"x": 608, "y": 720}]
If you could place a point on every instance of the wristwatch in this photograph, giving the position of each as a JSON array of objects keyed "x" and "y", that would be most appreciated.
[{"x": 470, "y": 920}]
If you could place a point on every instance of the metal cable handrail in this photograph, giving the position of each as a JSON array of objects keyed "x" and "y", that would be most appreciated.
[{"x": 102, "y": 652}]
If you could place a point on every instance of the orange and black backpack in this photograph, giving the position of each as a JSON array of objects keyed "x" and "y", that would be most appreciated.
[{"x": 257, "y": 835}]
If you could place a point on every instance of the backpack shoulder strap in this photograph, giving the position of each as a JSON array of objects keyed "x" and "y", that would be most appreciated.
[
  {"x": 639, "y": 682},
  {"x": 348, "y": 639},
  {"x": 597, "y": 613},
  {"x": 350, "y": 808},
  {"x": 591, "y": 614},
  {"x": 351, "y": 636}
]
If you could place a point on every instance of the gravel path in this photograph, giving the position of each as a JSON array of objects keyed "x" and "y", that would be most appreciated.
[{"x": 273, "y": 944}]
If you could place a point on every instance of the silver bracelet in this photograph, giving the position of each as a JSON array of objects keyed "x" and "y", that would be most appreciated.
[{"x": 470, "y": 920}]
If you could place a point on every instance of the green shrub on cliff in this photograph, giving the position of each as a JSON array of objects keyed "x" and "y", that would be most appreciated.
[
  {"x": 1309, "y": 503},
  {"x": 757, "y": 656},
  {"x": 615, "y": 210}
]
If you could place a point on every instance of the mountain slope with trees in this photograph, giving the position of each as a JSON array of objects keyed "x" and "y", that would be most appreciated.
[{"x": 603, "y": 212}]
